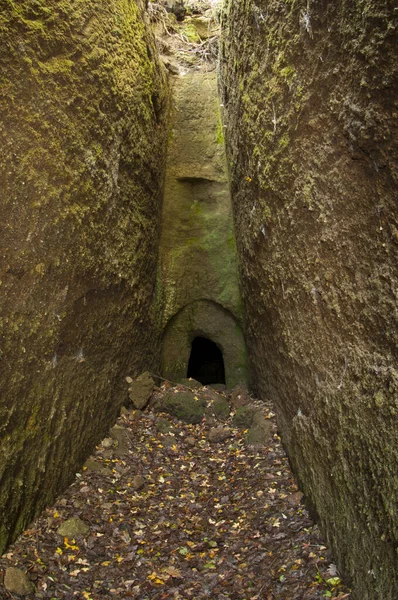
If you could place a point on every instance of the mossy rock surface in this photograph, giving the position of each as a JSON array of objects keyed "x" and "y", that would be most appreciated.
[
  {"x": 220, "y": 408},
  {"x": 185, "y": 406},
  {"x": 259, "y": 432},
  {"x": 74, "y": 527},
  {"x": 312, "y": 137},
  {"x": 191, "y": 383},
  {"x": 245, "y": 416},
  {"x": 82, "y": 151},
  {"x": 17, "y": 582},
  {"x": 140, "y": 390}
]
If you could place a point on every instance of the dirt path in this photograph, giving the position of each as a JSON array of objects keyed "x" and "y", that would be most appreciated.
[{"x": 172, "y": 516}]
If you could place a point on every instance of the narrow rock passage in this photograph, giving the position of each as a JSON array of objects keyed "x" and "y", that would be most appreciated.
[{"x": 172, "y": 515}]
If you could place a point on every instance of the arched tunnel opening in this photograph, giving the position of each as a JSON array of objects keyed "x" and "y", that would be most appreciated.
[{"x": 206, "y": 362}]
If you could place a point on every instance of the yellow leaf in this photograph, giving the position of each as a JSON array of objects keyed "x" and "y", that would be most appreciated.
[
  {"x": 155, "y": 578},
  {"x": 59, "y": 551},
  {"x": 70, "y": 546},
  {"x": 106, "y": 563}
]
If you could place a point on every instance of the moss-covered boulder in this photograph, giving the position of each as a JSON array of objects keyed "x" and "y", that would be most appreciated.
[
  {"x": 74, "y": 527},
  {"x": 185, "y": 406},
  {"x": 245, "y": 416},
  {"x": 219, "y": 407},
  {"x": 259, "y": 432}
]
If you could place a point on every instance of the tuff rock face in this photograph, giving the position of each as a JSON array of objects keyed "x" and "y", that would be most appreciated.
[
  {"x": 309, "y": 90},
  {"x": 309, "y": 95},
  {"x": 82, "y": 147},
  {"x": 199, "y": 283}
]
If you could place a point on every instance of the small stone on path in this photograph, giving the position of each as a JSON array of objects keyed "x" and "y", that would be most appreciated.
[
  {"x": 138, "y": 483},
  {"x": 141, "y": 390},
  {"x": 17, "y": 582},
  {"x": 73, "y": 528},
  {"x": 219, "y": 434},
  {"x": 107, "y": 443},
  {"x": 169, "y": 441},
  {"x": 163, "y": 425},
  {"x": 96, "y": 467}
]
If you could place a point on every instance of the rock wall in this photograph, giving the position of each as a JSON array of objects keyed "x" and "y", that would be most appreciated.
[
  {"x": 82, "y": 145},
  {"x": 199, "y": 272},
  {"x": 312, "y": 126}
]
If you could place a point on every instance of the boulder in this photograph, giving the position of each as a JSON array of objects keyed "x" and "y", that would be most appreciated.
[
  {"x": 193, "y": 384},
  {"x": 204, "y": 26},
  {"x": 120, "y": 435},
  {"x": 177, "y": 8},
  {"x": 141, "y": 390},
  {"x": 107, "y": 443},
  {"x": 221, "y": 408},
  {"x": 245, "y": 415},
  {"x": 218, "y": 387},
  {"x": 17, "y": 582},
  {"x": 210, "y": 394},
  {"x": 259, "y": 432},
  {"x": 97, "y": 467},
  {"x": 185, "y": 406}
]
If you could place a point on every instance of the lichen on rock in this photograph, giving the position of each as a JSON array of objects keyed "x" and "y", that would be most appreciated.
[
  {"x": 82, "y": 129},
  {"x": 310, "y": 103}
]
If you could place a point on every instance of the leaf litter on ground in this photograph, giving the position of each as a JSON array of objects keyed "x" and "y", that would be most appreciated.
[{"x": 219, "y": 521}]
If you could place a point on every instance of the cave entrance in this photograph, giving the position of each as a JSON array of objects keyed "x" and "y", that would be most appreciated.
[{"x": 206, "y": 363}]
